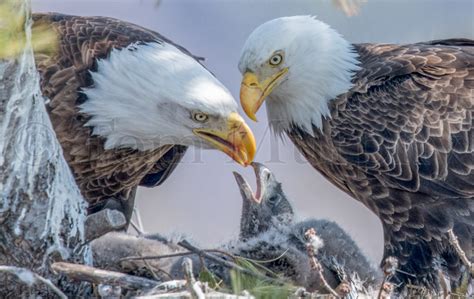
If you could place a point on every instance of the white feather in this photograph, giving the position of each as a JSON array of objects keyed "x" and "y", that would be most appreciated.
[
  {"x": 143, "y": 97},
  {"x": 321, "y": 65}
]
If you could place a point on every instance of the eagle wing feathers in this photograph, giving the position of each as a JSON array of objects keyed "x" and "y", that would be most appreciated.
[
  {"x": 99, "y": 173},
  {"x": 413, "y": 139},
  {"x": 402, "y": 142}
]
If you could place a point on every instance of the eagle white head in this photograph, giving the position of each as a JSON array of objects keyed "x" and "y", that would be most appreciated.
[
  {"x": 297, "y": 64},
  {"x": 149, "y": 95}
]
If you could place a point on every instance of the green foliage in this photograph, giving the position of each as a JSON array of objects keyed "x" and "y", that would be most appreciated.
[
  {"x": 12, "y": 32},
  {"x": 207, "y": 276},
  {"x": 260, "y": 288}
]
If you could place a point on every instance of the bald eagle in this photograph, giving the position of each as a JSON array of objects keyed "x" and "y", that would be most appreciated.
[
  {"x": 126, "y": 102},
  {"x": 390, "y": 125}
]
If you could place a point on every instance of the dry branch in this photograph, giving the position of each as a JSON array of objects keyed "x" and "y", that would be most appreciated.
[
  {"x": 155, "y": 257},
  {"x": 136, "y": 227},
  {"x": 192, "y": 285},
  {"x": 30, "y": 278},
  {"x": 98, "y": 276},
  {"x": 166, "y": 287},
  {"x": 138, "y": 217},
  {"x": 195, "y": 289},
  {"x": 453, "y": 239},
  {"x": 164, "y": 256},
  {"x": 310, "y": 236},
  {"x": 230, "y": 265},
  {"x": 185, "y": 294},
  {"x": 390, "y": 266}
]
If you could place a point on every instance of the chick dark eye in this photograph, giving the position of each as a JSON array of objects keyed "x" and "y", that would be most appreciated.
[
  {"x": 200, "y": 117},
  {"x": 273, "y": 199},
  {"x": 276, "y": 59}
]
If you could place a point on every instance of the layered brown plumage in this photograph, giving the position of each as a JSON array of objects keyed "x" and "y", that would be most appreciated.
[
  {"x": 401, "y": 141},
  {"x": 100, "y": 174}
]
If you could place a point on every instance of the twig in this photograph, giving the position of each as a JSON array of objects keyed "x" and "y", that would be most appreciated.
[
  {"x": 185, "y": 244},
  {"x": 99, "y": 276},
  {"x": 185, "y": 294},
  {"x": 389, "y": 268},
  {"x": 405, "y": 272},
  {"x": 166, "y": 287},
  {"x": 136, "y": 228},
  {"x": 230, "y": 255},
  {"x": 157, "y": 257},
  {"x": 310, "y": 236},
  {"x": 259, "y": 264},
  {"x": 192, "y": 285},
  {"x": 444, "y": 283},
  {"x": 453, "y": 240},
  {"x": 29, "y": 278},
  {"x": 155, "y": 276},
  {"x": 138, "y": 217},
  {"x": 267, "y": 261},
  {"x": 178, "y": 254},
  {"x": 152, "y": 270}
]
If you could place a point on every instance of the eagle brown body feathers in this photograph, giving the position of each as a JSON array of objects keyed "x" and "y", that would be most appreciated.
[
  {"x": 100, "y": 174},
  {"x": 401, "y": 141}
]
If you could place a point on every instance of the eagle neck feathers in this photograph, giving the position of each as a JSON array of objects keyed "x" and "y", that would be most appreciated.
[{"x": 329, "y": 76}]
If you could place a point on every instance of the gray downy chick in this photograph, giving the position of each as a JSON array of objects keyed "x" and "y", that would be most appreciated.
[
  {"x": 267, "y": 207},
  {"x": 109, "y": 250},
  {"x": 339, "y": 253},
  {"x": 268, "y": 229}
]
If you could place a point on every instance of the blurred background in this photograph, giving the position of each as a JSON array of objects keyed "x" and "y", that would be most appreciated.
[{"x": 201, "y": 198}]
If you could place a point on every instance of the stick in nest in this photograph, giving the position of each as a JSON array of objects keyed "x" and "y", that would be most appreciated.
[
  {"x": 390, "y": 266},
  {"x": 99, "y": 276},
  {"x": 312, "y": 246},
  {"x": 178, "y": 254},
  {"x": 193, "y": 286},
  {"x": 453, "y": 240},
  {"x": 30, "y": 278},
  {"x": 230, "y": 265}
]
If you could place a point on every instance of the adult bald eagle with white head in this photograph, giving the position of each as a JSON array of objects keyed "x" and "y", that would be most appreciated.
[
  {"x": 390, "y": 125},
  {"x": 125, "y": 103}
]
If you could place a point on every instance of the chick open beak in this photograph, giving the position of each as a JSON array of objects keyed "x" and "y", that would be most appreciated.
[
  {"x": 253, "y": 92},
  {"x": 236, "y": 140},
  {"x": 244, "y": 187}
]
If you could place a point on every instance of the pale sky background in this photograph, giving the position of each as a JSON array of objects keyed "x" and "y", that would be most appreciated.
[{"x": 201, "y": 198}]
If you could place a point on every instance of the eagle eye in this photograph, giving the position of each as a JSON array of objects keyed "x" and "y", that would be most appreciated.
[
  {"x": 276, "y": 59},
  {"x": 200, "y": 117}
]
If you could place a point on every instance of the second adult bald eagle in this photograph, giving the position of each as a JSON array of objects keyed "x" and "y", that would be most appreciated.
[
  {"x": 390, "y": 125},
  {"x": 125, "y": 102}
]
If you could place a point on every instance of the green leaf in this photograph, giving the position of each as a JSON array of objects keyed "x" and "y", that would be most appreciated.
[{"x": 206, "y": 276}]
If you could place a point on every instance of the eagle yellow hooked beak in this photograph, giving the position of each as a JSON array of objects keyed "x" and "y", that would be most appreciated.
[
  {"x": 236, "y": 140},
  {"x": 253, "y": 92}
]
